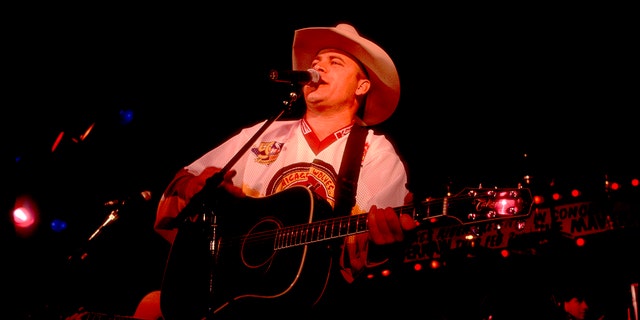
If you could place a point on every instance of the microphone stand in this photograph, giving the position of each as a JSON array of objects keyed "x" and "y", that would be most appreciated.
[
  {"x": 200, "y": 202},
  {"x": 113, "y": 216}
]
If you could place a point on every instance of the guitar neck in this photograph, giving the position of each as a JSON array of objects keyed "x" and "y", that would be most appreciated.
[
  {"x": 468, "y": 207},
  {"x": 322, "y": 230},
  {"x": 333, "y": 228}
]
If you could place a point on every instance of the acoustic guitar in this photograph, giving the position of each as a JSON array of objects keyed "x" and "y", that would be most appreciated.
[{"x": 280, "y": 248}]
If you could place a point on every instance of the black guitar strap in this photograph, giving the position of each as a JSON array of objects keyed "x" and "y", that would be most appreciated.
[
  {"x": 350, "y": 170},
  {"x": 345, "y": 200}
]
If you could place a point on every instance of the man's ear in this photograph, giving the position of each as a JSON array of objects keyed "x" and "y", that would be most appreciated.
[{"x": 363, "y": 87}]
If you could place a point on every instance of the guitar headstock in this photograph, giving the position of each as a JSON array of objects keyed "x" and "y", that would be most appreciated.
[
  {"x": 489, "y": 204},
  {"x": 474, "y": 205}
]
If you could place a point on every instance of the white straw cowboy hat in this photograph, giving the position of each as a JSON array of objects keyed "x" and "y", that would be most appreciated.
[{"x": 384, "y": 94}]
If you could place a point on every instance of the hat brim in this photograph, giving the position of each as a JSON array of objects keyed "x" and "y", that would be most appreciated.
[{"x": 384, "y": 94}]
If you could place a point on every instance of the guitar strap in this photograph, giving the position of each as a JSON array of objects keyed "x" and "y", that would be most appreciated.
[
  {"x": 345, "y": 200},
  {"x": 350, "y": 170}
]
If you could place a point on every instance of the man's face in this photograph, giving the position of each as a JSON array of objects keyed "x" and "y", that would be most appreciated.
[{"x": 340, "y": 77}]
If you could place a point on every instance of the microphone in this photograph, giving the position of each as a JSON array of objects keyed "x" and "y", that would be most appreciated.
[
  {"x": 142, "y": 196},
  {"x": 295, "y": 76},
  {"x": 113, "y": 216}
]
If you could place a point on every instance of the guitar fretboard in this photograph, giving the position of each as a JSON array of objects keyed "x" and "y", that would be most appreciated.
[{"x": 319, "y": 231}]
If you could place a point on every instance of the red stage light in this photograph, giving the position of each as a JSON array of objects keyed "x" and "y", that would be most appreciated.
[
  {"x": 57, "y": 142},
  {"x": 25, "y": 216},
  {"x": 575, "y": 193}
]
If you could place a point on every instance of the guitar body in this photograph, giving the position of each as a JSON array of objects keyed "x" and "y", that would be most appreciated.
[{"x": 238, "y": 261}]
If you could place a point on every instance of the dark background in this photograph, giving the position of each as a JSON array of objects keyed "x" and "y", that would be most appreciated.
[{"x": 489, "y": 94}]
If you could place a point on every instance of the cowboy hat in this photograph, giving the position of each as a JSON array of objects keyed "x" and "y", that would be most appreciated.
[{"x": 384, "y": 95}]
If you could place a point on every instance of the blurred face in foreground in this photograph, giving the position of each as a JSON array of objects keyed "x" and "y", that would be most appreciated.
[{"x": 577, "y": 308}]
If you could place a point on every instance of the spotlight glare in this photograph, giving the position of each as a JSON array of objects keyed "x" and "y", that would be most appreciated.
[
  {"x": 126, "y": 116},
  {"x": 58, "y": 225}
]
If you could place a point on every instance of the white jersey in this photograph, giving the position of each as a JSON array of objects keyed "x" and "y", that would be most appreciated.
[{"x": 288, "y": 154}]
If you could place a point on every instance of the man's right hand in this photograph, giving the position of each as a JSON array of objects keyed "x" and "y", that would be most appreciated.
[
  {"x": 180, "y": 191},
  {"x": 196, "y": 183}
]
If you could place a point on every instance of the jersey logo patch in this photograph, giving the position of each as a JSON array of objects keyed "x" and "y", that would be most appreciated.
[{"x": 267, "y": 152}]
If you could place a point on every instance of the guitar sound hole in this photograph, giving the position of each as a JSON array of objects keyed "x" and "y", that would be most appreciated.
[{"x": 259, "y": 243}]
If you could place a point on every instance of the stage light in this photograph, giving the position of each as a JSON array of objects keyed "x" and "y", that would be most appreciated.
[
  {"x": 58, "y": 225},
  {"x": 57, "y": 142},
  {"x": 575, "y": 193},
  {"x": 86, "y": 132},
  {"x": 126, "y": 116},
  {"x": 25, "y": 216},
  {"x": 538, "y": 200}
]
